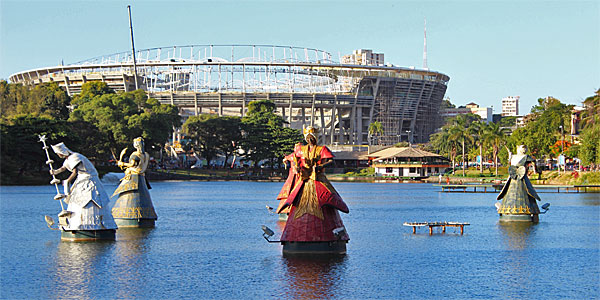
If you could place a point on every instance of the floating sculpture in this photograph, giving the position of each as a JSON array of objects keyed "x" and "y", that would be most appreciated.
[
  {"x": 87, "y": 216},
  {"x": 134, "y": 206},
  {"x": 314, "y": 224},
  {"x": 518, "y": 195}
]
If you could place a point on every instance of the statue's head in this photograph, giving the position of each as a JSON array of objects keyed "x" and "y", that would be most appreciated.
[
  {"x": 138, "y": 143},
  {"x": 61, "y": 150},
  {"x": 310, "y": 133},
  {"x": 521, "y": 149}
]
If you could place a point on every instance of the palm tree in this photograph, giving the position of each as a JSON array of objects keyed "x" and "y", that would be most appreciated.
[
  {"x": 496, "y": 137},
  {"x": 459, "y": 132},
  {"x": 477, "y": 129},
  {"x": 444, "y": 144},
  {"x": 375, "y": 129}
]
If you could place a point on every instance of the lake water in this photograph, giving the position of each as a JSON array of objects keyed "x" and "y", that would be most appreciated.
[{"x": 208, "y": 244}]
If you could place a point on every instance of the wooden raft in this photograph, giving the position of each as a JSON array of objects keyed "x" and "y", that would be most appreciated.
[{"x": 414, "y": 226}]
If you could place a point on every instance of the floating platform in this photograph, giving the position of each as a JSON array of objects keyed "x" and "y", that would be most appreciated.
[
  {"x": 431, "y": 225},
  {"x": 495, "y": 188},
  {"x": 87, "y": 235}
]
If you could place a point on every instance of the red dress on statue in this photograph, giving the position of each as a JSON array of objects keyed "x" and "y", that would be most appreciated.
[{"x": 313, "y": 200}]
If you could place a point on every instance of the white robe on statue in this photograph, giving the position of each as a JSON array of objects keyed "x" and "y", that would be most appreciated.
[{"x": 88, "y": 201}]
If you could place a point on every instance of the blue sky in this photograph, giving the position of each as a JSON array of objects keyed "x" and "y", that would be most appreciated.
[{"x": 490, "y": 49}]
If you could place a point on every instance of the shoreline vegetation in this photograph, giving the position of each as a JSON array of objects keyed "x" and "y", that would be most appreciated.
[{"x": 473, "y": 176}]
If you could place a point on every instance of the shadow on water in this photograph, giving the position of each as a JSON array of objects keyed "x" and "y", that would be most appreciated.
[
  {"x": 313, "y": 277},
  {"x": 72, "y": 269}
]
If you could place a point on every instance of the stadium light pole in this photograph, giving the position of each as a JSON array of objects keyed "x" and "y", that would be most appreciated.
[{"x": 132, "y": 48}]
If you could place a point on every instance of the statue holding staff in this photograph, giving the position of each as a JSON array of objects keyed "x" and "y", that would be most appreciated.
[
  {"x": 134, "y": 206},
  {"x": 87, "y": 216}
]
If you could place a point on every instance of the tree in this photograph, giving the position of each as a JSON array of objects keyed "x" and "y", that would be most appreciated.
[
  {"x": 212, "y": 135},
  {"x": 444, "y": 145},
  {"x": 124, "y": 116},
  {"x": 47, "y": 99},
  {"x": 495, "y": 136},
  {"x": 542, "y": 133},
  {"x": 375, "y": 130},
  {"x": 477, "y": 129},
  {"x": 258, "y": 126},
  {"x": 459, "y": 131}
]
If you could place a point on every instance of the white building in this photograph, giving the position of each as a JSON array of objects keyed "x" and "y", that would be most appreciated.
[
  {"x": 485, "y": 113},
  {"x": 407, "y": 162},
  {"x": 510, "y": 106},
  {"x": 364, "y": 57}
]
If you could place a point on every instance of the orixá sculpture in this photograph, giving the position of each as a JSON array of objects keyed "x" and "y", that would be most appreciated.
[
  {"x": 314, "y": 224},
  {"x": 134, "y": 206},
  {"x": 518, "y": 195},
  {"x": 87, "y": 216}
]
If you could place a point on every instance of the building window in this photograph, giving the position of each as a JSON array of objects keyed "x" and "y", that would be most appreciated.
[
  {"x": 412, "y": 170},
  {"x": 389, "y": 170}
]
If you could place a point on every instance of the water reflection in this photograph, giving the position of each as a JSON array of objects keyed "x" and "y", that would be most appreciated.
[
  {"x": 74, "y": 274},
  {"x": 130, "y": 257},
  {"x": 309, "y": 277},
  {"x": 517, "y": 268},
  {"x": 516, "y": 235}
]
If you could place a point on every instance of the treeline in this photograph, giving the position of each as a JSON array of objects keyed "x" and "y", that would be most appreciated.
[
  {"x": 95, "y": 122},
  {"x": 546, "y": 134},
  {"x": 259, "y": 136},
  {"x": 99, "y": 123}
]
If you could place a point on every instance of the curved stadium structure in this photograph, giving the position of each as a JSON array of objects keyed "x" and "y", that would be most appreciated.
[{"x": 306, "y": 85}]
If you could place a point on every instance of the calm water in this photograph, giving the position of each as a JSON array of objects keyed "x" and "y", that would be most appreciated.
[{"x": 208, "y": 244}]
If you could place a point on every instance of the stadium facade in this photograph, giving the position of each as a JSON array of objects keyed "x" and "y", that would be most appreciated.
[{"x": 306, "y": 85}]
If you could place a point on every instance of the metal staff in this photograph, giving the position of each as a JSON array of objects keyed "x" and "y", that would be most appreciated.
[{"x": 59, "y": 196}]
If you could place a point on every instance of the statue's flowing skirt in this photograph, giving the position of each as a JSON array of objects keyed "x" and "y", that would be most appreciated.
[
  {"x": 518, "y": 199},
  {"x": 134, "y": 200},
  {"x": 309, "y": 227},
  {"x": 88, "y": 204}
]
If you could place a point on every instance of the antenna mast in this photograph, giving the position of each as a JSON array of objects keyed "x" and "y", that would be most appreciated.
[
  {"x": 425, "y": 46},
  {"x": 132, "y": 48}
]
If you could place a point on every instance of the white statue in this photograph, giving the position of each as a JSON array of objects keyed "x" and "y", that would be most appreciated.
[{"x": 88, "y": 215}]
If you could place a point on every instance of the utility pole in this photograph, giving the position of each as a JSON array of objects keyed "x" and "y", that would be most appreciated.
[{"x": 132, "y": 48}]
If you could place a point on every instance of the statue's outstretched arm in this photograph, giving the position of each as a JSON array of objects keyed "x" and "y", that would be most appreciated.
[{"x": 73, "y": 175}]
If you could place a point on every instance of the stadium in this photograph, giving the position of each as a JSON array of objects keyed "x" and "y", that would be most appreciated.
[{"x": 307, "y": 86}]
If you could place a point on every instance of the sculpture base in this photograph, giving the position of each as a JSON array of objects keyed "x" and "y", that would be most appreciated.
[
  {"x": 519, "y": 218},
  {"x": 332, "y": 247},
  {"x": 135, "y": 223},
  {"x": 87, "y": 235}
]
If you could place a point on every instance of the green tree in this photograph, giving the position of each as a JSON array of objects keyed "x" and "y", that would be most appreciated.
[
  {"x": 124, "y": 116},
  {"x": 589, "y": 149},
  {"x": 212, "y": 135},
  {"x": 459, "y": 131},
  {"x": 46, "y": 99},
  {"x": 259, "y": 125},
  {"x": 495, "y": 136},
  {"x": 375, "y": 130},
  {"x": 477, "y": 131},
  {"x": 540, "y": 134}
]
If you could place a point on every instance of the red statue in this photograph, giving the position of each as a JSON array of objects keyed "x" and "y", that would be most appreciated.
[{"x": 314, "y": 224}]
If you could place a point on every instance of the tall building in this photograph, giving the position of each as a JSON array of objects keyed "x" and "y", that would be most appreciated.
[
  {"x": 364, "y": 57},
  {"x": 510, "y": 106}
]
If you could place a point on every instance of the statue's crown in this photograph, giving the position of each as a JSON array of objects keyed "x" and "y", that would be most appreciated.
[{"x": 310, "y": 130}]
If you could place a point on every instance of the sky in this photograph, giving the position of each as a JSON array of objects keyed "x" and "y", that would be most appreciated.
[{"x": 489, "y": 49}]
